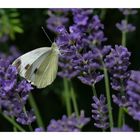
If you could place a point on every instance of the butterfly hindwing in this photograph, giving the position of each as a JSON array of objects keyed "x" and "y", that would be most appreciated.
[
  {"x": 30, "y": 74},
  {"x": 47, "y": 71}
]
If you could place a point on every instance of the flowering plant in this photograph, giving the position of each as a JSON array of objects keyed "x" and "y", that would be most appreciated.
[{"x": 87, "y": 60}]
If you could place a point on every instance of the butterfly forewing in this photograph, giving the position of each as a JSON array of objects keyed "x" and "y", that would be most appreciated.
[{"x": 24, "y": 62}]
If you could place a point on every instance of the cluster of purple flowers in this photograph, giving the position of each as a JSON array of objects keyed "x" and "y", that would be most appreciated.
[
  {"x": 117, "y": 63},
  {"x": 13, "y": 93},
  {"x": 77, "y": 44},
  {"x": 84, "y": 56},
  {"x": 57, "y": 17},
  {"x": 67, "y": 124},
  {"x": 124, "y": 128},
  {"x": 100, "y": 112},
  {"x": 124, "y": 26},
  {"x": 133, "y": 91}
]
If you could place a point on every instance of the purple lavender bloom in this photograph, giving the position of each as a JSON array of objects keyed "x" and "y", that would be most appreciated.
[
  {"x": 13, "y": 53},
  {"x": 73, "y": 61},
  {"x": 100, "y": 112},
  {"x": 133, "y": 91},
  {"x": 121, "y": 100},
  {"x": 13, "y": 94},
  {"x": 81, "y": 16},
  {"x": 89, "y": 65},
  {"x": 127, "y": 12},
  {"x": 68, "y": 124},
  {"x": 26, "y": 118},
  {"x": 40, "y": 129},
  {"x": 68, "y": 51},
  {"x": 117, "y": 63},
  {"x": 133, "y": 85},
  {"x": 55, "y": 21},
  {"x": 24, "y": 87},
  {"x": 90, "y": 27},
  {"x": 83, "y": 36},
  {"x": 57, "y": 17},
  {"x": 87, "y": 69},
  {"x": 125, "y": 128},
  {"x": 91, "y": 79},
  {"x": 125, "y": 27}
]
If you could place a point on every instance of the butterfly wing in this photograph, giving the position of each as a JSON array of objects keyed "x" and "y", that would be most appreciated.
[
  {"x": 28, "y": 62},
  {"x": 39, "y": 66},
  {"x": 47, "y": 71}
]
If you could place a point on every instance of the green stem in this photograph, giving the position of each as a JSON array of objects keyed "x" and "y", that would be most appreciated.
[
  {"x": 74, "y": 100},
  {"x": 14, "y": 128},
  {"x": 108, "y": 97},
  {"x": 124, "y": 34},
  {"x": 120, "y": 117},
  {"x": 94, "y": 90},
  {"x": 36, "y": 110},
  {"x": 124, "y": 39},
  {"x": 103, "y": 14},
  {"x": 13, "y": 122},
  {"x": 67, "y": 97}
]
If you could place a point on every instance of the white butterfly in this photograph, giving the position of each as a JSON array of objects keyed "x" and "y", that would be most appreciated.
[{"x": 39, "y": 66}]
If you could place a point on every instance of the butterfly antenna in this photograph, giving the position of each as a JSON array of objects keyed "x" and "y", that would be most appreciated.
[{"x": 46, "y": 34}]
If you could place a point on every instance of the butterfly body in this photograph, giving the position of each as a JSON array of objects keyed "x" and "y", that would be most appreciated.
[{"x": 39, "y": 66}]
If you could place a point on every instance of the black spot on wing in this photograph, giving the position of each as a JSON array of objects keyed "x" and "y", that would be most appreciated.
[
  {"x": 35, "y": 71},
  {"x": 27, "y": 66},
  {"x": 17, "y": 64}
]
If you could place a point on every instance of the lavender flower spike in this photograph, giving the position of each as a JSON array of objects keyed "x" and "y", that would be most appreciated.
[
  {"x": 133, "y": 92},
  {"x": 129, "y": 11},
  {"x": 125, "y": 128},
  {"x": 117, "y": 63},
  {"x": 68, "y": 124},
  {"x": 125, "y": 27},
  {"x": 100, "y": 112},
  {"x": 13, "y": 94}
]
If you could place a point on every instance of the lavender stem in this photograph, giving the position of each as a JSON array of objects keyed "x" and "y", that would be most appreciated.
[
  {"x": 103, "y": 13},
  {"x": 94, "y": 90},
  {"x": 13, "y": 123},
  {"x": 67, "y": 96},
  {"x": 74, "y": 100},
  {"x": 36, "y": 110},
  {"x": 124, "y": 34},
  {"x": 121, "y": 116},
  {"x": 124, "y": 38},
  {"x": 14, "y": 128},
  {"x": 108, "y": 97}
]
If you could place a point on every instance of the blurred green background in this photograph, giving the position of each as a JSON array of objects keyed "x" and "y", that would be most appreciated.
[{"x": 23, "y": 27}]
